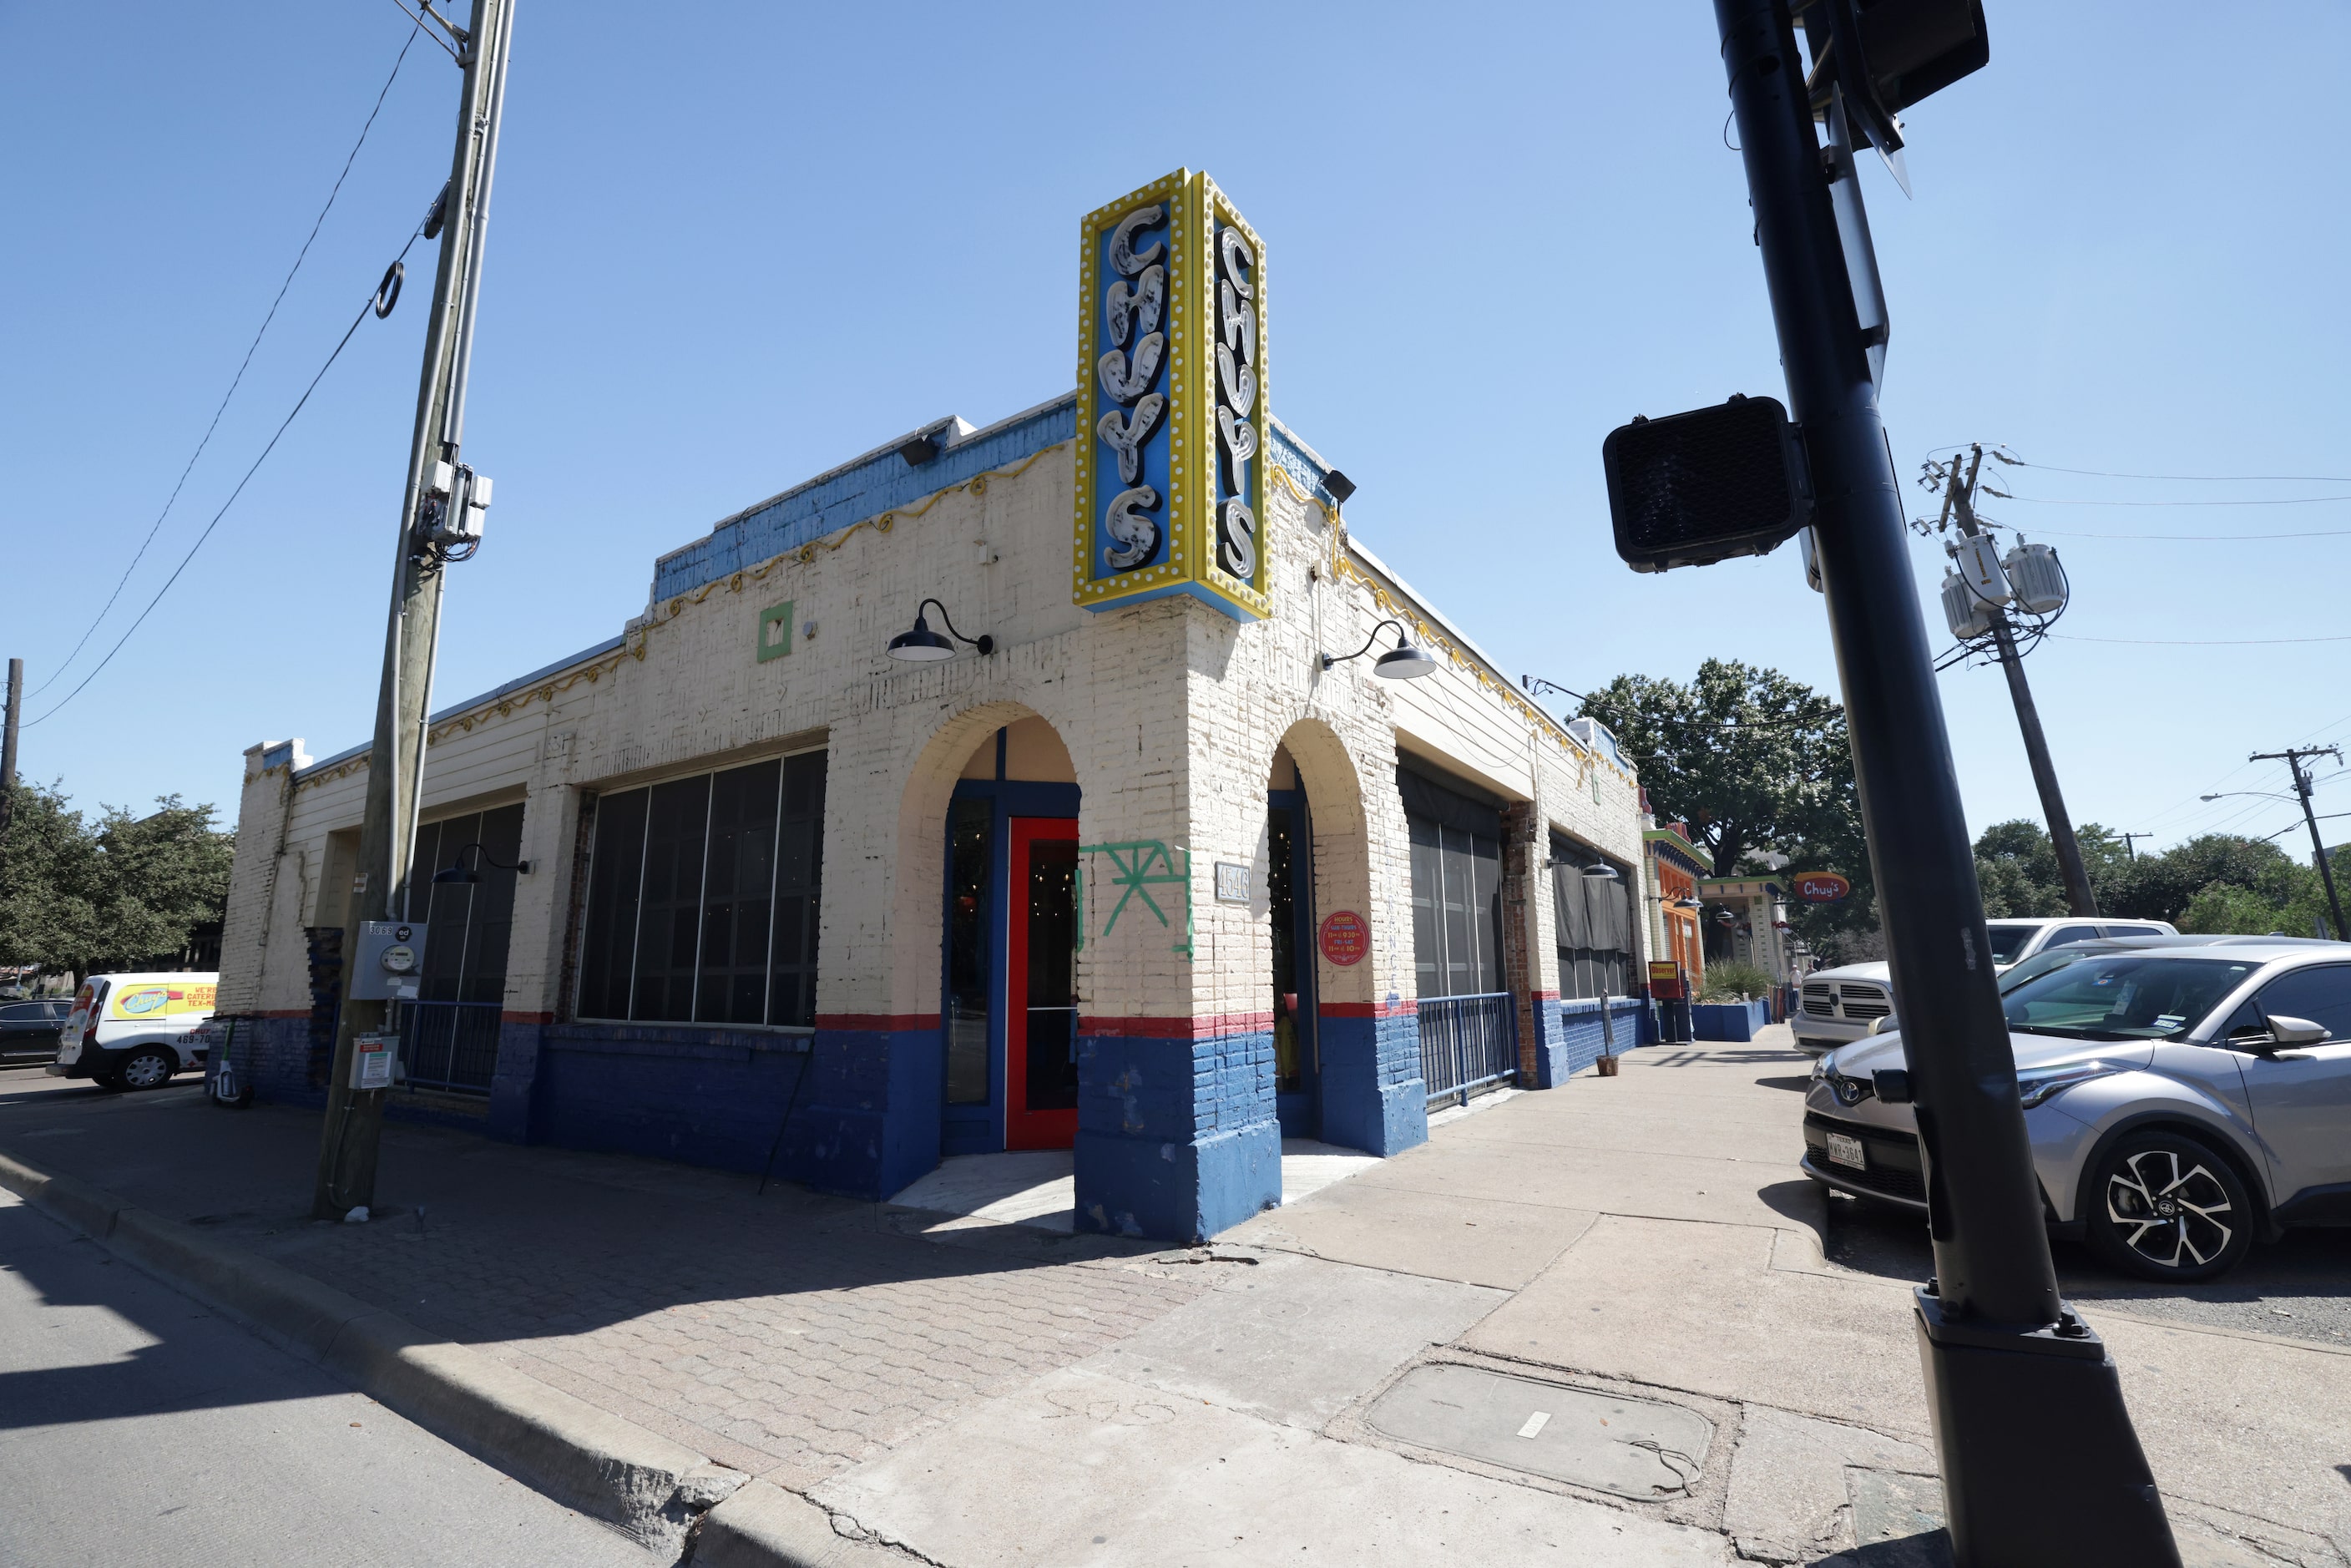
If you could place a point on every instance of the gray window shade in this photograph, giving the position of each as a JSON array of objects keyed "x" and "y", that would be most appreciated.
[
  {"x": 1595, "y": 917},
  {"x": 1457, "y": 888}
]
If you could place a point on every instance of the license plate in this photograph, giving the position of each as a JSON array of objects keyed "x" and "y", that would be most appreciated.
[{"x": 1847, "y": 1151}]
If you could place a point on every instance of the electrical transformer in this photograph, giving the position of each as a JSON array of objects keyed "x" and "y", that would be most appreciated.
[
  {"x": 1969, "y": 616},
  {"x": 2038, "y": 582}
]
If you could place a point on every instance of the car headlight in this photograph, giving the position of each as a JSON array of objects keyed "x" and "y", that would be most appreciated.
[
  {"x": 2036, "y": 1084},
  {"x": 1821, "y": 1065}
]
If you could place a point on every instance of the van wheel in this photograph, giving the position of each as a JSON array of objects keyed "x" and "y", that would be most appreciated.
[
  {"x": 2164, "y": 1206},
  {"x": 150, "y": 1068},
  {"x": 110, "y": 1081}
]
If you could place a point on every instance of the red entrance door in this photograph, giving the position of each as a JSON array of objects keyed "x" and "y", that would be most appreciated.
[{"x": 1040, "y": 1013}]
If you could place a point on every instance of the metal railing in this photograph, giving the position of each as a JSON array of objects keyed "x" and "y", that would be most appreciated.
[
  {"x": 1467, "y": 1044},
  {"x": 450, "y": 1045}
]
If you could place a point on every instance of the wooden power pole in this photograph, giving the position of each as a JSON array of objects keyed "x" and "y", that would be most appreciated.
[{"x": 354, "y": 1122}]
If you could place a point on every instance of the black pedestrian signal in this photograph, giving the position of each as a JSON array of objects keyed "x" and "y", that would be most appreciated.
[{"x": 1691, "y": 489}]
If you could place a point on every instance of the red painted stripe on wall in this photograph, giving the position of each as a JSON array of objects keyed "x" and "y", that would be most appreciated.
[
  {"x": 526, "y": 1018},
  {"x": 1404, "y": 1008}
]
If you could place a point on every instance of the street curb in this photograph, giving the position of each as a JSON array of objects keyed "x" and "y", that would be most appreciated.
[
  {"x": 655, "y": 1490},
  {"x": 764, "y": 1526}
]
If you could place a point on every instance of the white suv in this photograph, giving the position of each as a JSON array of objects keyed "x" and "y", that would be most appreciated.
[{"x": 1839, "y": 1005}]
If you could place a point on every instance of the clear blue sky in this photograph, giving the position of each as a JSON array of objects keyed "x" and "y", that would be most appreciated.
[{"x": 734, "y": 244}]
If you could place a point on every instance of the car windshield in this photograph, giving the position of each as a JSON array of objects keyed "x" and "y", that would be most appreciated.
[
  {"x": 2008, "y": 941},
  {"x": 2122, "y": 995}
]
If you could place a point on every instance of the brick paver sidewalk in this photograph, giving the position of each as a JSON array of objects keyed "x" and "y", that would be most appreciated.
[{"x": 787, "y": 1335}]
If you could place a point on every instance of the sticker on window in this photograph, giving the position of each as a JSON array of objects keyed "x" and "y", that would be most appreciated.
[{"x": 2170, "y": 1020}]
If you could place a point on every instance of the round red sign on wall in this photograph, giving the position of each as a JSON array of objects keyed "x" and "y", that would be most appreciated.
[
  {"x": 1821, "y": 887},
  {"x": 1345, "y": 937}
]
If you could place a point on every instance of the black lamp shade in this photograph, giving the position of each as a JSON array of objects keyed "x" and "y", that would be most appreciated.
[
  {"x": 922, "y": 646},
  {"x": 457, "y": 873},
  {"x": 1406, "y": 663}
]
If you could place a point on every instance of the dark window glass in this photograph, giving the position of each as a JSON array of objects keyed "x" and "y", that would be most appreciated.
[
  {"x": 2064, "y": 933},
  {"x": 669, "y": 923},
  {"x": 608, "y": 955},
  {"x": 1456, "y": 910},
  {"x": 799, "y": 877},
  {"x": 971, "y": 831},
  {"x": 1281, "y": 869},
  {"x": 738, "y": 887},
  {"x": 703, "y": 897},
  {"x": 443, "y": 907},
  {"x": 490, "y": 922},
  {"x": 2132, "y": 931},
  {"x": 1052, "y": 1017},
  {"x": 2321, "y": 995},
  {"x": 2008, "y": 941},
  {"x": 1428, "y": 925}
]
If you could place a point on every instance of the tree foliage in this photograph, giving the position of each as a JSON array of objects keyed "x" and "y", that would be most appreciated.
[
  {"x": 2214, "y": 885},
  {"x": 1757, "y": 764},
  {"x": 124, "y": 888}
]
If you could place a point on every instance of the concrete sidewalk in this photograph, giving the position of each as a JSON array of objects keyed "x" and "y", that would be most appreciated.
[{"x": 1607, "y": 1322}]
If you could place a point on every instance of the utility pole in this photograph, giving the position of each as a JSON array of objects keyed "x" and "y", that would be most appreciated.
[
  {"x": 8, "y": 751},
  {"x": 2004, "y": 1357},
  {"x": 2291, "y": 756},
  {"x": 2130, "y": 844},
  {"x": 354, "y": 1122},
  {"x": 2028, "y": 715}
]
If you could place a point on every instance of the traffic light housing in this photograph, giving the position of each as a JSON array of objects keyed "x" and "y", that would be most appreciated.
[{"x": 1691, "y": 489}]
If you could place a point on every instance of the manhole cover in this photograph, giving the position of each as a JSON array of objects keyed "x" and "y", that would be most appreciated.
[{"x": 1634, "y": 1447}]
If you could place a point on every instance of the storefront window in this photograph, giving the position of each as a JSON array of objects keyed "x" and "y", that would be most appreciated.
[
  {"x": 702, "y": 898},
  {"x": 1594, "y": 921},
  {"x": 1456, "y": 889},
  {"x": 971, "y": 829}
]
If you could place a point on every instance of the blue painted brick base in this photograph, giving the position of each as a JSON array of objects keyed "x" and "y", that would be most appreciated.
[
  {"x": 1374, "y": 1097},
  {"x": 1176, "y": 1138}
]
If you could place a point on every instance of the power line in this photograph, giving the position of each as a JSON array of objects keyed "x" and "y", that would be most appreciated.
[
  {"x": 2199, "y": 539},
  {"x": 2014, "y": 461},
  {"x": 2273, "y": 501},
  {"x": 2196, "y": 643},
  {"x": 372, "y": 305},
  {"x": 237, "y": 380}
]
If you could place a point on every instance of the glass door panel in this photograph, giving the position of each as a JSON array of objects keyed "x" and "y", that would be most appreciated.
[{"x": 1040, "y": 1014}]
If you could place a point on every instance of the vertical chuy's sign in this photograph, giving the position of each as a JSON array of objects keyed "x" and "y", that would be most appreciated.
[{"x": 1172, "y": 405}]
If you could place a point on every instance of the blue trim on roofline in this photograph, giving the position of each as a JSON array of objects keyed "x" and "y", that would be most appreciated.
[{"x": 879, "y": 482}]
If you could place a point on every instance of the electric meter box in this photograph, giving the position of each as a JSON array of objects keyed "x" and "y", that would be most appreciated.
[
  {"x": 390, "y": 962},
  {"x": 374, "y": 1058}
]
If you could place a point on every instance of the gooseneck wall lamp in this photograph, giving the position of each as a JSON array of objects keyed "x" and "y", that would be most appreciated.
[
  {"x": 458, "y": 872},
  {"x": 923, "y": 647},
  {"x": 1403, "y": 663}
]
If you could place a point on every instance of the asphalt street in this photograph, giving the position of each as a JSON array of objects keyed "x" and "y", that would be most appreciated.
[
  {"x": 136, "y": 1427},
  {"x": 2299, "y": 1287}
]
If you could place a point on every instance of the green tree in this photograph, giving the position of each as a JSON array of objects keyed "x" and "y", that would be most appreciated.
[
  {"x": 50, "y": 876},
  {"x": 1756, "y": 763},
  {"x": 126, "y": 888}
]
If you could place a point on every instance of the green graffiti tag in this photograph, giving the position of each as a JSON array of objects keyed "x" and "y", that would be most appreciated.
[{"x": 1136, "y": 867}]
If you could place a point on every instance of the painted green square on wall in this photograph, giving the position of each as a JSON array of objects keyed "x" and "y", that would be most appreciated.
[{"x": 775, "y": 631}]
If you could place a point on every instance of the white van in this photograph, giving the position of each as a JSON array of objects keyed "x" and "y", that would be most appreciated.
[{"x": 134, "y": 1031}]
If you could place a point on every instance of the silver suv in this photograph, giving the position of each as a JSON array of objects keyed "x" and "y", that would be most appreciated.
[
  {"x": 2181, "y": 1101},
  {"x": 1841, "y": 1004}
]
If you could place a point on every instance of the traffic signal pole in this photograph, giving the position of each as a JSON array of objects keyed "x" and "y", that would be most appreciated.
[
  {"x": 353, "y": 1130},
  {"x": 2040, "y": 1463},
  {"x": 1962, "y": 496}
]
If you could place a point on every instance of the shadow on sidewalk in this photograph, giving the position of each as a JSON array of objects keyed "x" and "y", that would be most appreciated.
[{"x": 72, "y": 1272}]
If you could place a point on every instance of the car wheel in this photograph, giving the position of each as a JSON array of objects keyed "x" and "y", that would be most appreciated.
[
  {"x": 111, "y": 1082},
  {"x": 149, "y": 1070},
  {"x": 2164, "y": 1206}
]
